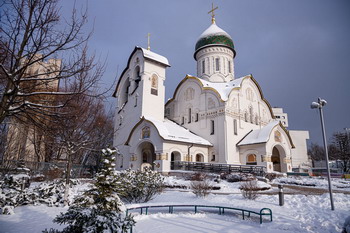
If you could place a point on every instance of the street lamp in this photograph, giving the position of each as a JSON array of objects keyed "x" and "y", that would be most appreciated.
[{"x": 320, "y": 104}]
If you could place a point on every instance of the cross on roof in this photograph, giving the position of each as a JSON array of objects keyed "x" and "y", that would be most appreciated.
[{"x": 212, "y": 12}]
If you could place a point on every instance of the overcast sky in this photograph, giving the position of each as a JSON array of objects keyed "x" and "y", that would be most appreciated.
[{"x": 297, "y": 50}]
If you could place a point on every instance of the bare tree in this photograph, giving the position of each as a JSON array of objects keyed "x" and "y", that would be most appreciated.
[
  {"x": 316, "y": 152},
  {"x": 340, "y": 150},
  {"x": 32, "y": 32}
]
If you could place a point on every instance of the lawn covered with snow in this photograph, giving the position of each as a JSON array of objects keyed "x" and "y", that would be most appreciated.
[{"x": 299, "y": 214}]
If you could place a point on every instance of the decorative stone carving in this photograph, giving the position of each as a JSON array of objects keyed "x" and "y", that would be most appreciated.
[
  {"x": 211, "y": 103},
  {"x": 189, "y": 94}
]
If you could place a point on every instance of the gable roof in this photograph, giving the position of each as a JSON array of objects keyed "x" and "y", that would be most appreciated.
[
  {"x": 147, "y": 54},
  {"x": 262, "y": 135},
  {"x": 224, "y": 89},
  {"x": 170, "y": 131}
]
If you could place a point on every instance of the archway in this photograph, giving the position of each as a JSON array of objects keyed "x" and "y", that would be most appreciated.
[
  {"x": 175, "y": 156},
  {"x": 251, "y": 159},
  {"x": 276, "y": 160},
  {"x": 146, "y": 154},
  {"x": 199, "y": 158}
]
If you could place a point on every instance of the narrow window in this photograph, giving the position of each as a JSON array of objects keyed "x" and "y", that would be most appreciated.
[
  {"x": 189, "y": 115},
  {"x": 154, "y": 85},
  {"x": 182, "y": 120},
  {"x": 213, "y": 157},
  {"x": 212, "y": 126},
  {"x": 235, "y": 126},
  {"x": 203, "y": 66},
  {"x": 251, "y": 114},
  {"x": 197, "y": 116},
  {"x": 229, "y": 67},
  {"x": 246, "y": 117},
  {"x": 217, "y": 64}
]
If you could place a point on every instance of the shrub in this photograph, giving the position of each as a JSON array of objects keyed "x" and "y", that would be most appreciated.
[
  {"x": 201, "y": 188},
  {"x": 199, "y": 176},
  {"x": 250, "y": 189},
  {"x": 139, "y": 186}
]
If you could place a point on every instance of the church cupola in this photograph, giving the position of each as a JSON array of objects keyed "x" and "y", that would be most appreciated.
[{"x": 214, "y": 53}]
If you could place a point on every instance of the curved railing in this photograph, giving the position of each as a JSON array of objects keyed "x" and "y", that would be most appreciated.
[{"x": 171, "y": 208}]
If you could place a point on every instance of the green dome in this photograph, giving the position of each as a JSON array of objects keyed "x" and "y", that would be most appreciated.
[{"x": 214, "y": 36}]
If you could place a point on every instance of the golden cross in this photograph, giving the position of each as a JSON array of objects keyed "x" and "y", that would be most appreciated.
[
  {"x": 212, "y": 13},
  {"x": 148, "y": 41}
]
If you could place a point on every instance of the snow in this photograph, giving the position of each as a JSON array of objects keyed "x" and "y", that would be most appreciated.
[
  {"x": 259, "y": 135},
  {"x": 169, "y": 130},
  {"x": 153, "y": 56},
  {"x": 222, "y": 88},
  {"x": 300, "y": 213},
  {"x": 213, "y": 30},
  {"x": 319, "y": 182}
]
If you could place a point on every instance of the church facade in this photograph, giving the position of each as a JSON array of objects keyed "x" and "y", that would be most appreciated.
[{"x": 213, "y": 117}]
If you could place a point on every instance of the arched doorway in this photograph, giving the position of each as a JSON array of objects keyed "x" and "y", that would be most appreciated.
[
  {"x": 146, "y": 154},
  {"x": 199, "y": 158},
  {"x": 175, "y": 156},
  {"x": 276, "y": 160}
]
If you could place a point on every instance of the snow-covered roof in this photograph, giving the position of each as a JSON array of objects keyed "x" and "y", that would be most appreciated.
[
  {"x": 224, "y": 89},
  {"x": 213, "y": 30},
  {"x": 153, "y": 56},
  {"x": 171, "y": 131},
  {"x": 259, "y": 135}
]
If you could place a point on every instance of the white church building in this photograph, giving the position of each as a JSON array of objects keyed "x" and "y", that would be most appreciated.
[{"x": 213, "y": 117}]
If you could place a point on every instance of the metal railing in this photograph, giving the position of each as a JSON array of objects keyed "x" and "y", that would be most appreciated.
[
  {"x": 217, "y": 167},
  {"x": 203, "y": 208}
]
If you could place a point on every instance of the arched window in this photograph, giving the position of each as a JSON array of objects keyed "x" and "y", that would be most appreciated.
[
  {"x": 251, "y": 159},
  {"x": 245, "y": 116},
  {"x": 217, "y": 64},
  {"x": 124, "y": 94},
  {"x": 235, "y": 126},
  {"x": 203, "y": 66},
  {"x": 154, "y": 85},
  {"x": 189, "y": 115},
  {"x": 137, "y": 76},
  {"x": 251, "y": 114},
  {"x": 229, "y": 67}
]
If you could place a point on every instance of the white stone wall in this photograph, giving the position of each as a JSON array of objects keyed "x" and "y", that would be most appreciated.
[{"x": 299, "y": 153}]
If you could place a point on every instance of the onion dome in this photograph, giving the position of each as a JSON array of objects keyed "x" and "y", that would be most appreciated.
[{"x": 214, "y": 36}]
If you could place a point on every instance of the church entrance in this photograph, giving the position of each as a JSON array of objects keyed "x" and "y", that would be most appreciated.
[
  {"x": 276, "y": 159},
  {"x": 175, "y": 156},
  {"x": 146, "y": 152}
]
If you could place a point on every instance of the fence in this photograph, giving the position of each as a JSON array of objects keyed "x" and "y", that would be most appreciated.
[{"x": 218, "y": 167}]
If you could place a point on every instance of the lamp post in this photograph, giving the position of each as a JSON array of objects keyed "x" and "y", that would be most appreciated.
[{"x": 320, "y": 104}]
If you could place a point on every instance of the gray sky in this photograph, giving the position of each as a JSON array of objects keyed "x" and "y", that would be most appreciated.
[{"x": 297, "y": 50}]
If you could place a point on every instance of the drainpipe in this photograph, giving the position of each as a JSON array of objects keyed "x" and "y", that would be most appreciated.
[{"x": 188, "y": 151}]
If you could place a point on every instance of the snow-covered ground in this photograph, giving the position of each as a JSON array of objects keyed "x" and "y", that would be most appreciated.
[{"x": 299, "y": 214}]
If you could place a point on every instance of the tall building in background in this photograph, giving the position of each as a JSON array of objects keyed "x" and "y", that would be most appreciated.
[
  {"x": 213, "y": 117},
  {"x": 25, "y": 140}
]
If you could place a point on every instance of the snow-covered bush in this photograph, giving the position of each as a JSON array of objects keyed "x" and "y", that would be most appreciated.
[
  {"x": 99, "y": 209},
  {"x": 346, "y": 227},
  {"x": 236, "y": 177},
  {"x": 201, "y": 188},
  {"x": 139, "y": 186},
  {"x": 250, "y": 189},
  {"x": 51, "y": 193}
]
